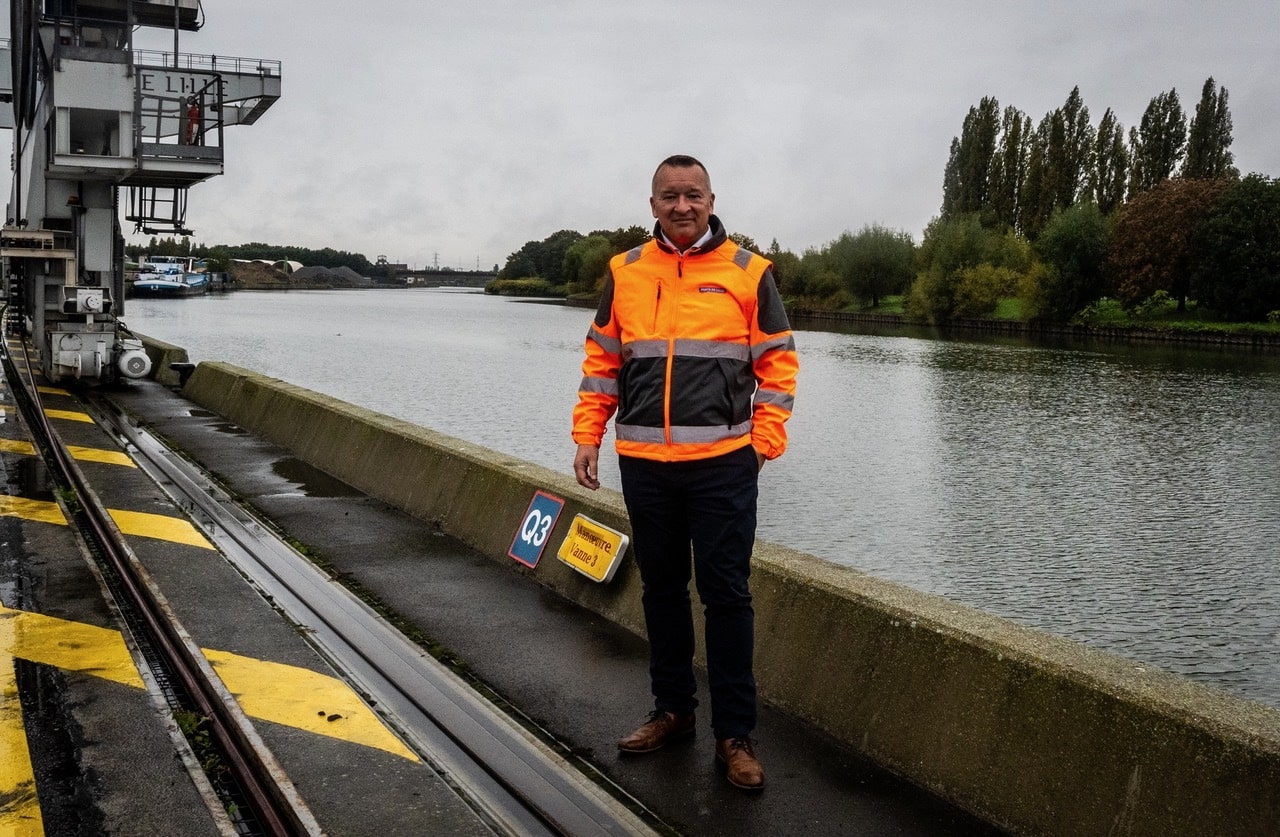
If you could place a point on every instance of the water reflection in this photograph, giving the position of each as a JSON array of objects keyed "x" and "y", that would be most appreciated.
[{"x": 1125, "y": 496}]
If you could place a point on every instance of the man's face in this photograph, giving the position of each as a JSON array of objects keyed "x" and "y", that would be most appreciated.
[{"x": 682, "y": 202}]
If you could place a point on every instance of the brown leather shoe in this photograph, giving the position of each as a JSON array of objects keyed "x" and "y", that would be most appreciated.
[
  {"x": 738, "y": 758},
  {"x": 657, "y": 731}
]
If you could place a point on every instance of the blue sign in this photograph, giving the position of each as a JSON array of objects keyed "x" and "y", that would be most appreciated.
[{"x": 535, "y": 528}]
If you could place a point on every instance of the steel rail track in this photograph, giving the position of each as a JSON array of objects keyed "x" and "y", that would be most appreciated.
[
  {"x": 274, "y": 805},
  {"x": 517, "y": 784}
]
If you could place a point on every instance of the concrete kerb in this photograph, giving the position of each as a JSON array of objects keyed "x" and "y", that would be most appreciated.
[
  {"x": 1034, "y": 733},
  {"x": 162, "y": 356}
]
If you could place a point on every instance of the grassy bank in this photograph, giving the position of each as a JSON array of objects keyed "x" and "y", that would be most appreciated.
[{"x": 1160, "y": 315}]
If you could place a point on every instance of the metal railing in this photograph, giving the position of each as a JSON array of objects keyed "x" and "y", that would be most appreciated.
[
  {"x": 206, "y": 63},
  {"x": 191, "y": 61}
]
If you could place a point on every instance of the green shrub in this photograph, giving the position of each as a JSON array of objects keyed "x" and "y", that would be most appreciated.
[
  {"x": 1159, "y": 304},
  {"x": 978, "y": 289},
  {"x": 528, "y": 286},
  {"x": 1103, "y": 312}
]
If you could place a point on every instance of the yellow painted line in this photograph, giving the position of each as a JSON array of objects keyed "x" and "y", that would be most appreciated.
[
  {"x": 19, "y": 805},
  {"x": 143, "y": 524},
  {"x": 282, "y": 694},
  {"x": 69, "y": 415},
  {"x": 52, "y": 390},
  {"x": 304, "y": 699},
  {"x": 72, "y": 646},
  {"x": 110, "y": 457},
  {"x": 159, "y": 526},
  {"x": 17, "y": 446},
  {"x": 41, "y": 511}
]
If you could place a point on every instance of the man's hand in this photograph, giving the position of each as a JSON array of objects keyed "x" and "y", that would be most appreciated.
[{"x": 586, "y": 465}]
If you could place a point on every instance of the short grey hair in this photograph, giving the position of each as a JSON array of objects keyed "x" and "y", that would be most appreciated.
[{"x": 680, "y": 161}]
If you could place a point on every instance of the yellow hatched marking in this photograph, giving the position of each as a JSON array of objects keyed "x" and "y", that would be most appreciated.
[
  {"x": 69, "y": 415},
  {"x": 110, "y": 457},
  {"x": 159, "y": 526},
  {"x": 42, "y": 511},
  {"x": 17, "y": 446},
  {"x": 305, "y": 700},
  {"x": 20, "y": 813},
  {"x": 73, "y": 646},
  {"x": 283, "y": 694},
  {"x": 47, "y": 390},
  {"x": 144, "y": 524}
]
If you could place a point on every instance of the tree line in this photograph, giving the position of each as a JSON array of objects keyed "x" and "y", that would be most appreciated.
[
  {"x": 1053, "y": 220},
  {"x": 1016, "y": 175},
  {"x": 1064, "y": 216},
  {"x": 220, "y": 255}
]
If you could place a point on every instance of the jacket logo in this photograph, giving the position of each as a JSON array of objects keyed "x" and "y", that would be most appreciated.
[{"x": 711, "y": 289}]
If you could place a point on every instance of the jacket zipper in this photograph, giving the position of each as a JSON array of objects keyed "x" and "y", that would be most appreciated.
[{"x": 671, "y": 353}]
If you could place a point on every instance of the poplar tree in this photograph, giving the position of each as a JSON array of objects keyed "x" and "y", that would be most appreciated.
[
  {"x": 951, "y": 181},
  {"x": 1209, "y": 139},
  {"x": 1068, "y": 147},
  {"x": 1055, "y": 163},
  {"x": 967, "y": 179},
  {"x": 1077, "y": 148},
  {"x": 1009, "y": 171},
  {"x": 1157, "y": 145},
  {"x": 1110, "y": 169},
  {"x": 1035, "y": 200}
]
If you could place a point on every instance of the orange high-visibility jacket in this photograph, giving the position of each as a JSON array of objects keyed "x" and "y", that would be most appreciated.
[{"x": 693, "y": 352}]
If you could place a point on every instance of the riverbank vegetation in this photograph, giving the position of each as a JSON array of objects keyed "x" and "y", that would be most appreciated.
[
  {"x": 1056, "y": 221},
  {"x": 219, "y": 256}
]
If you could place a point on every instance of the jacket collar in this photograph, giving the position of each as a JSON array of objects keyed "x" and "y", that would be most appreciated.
[{"x": 718, "y": 237}]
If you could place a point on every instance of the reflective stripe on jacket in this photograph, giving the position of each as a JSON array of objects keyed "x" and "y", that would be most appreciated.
[{"x": 693, "y": 352}]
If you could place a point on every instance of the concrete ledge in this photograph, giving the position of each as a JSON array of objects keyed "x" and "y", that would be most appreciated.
[
  {"x": 162, "y": 355},
  {"x": 1031, "y": 732}
]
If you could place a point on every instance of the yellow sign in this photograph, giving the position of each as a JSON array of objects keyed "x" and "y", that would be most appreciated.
[{"x": 592, "y": 549}]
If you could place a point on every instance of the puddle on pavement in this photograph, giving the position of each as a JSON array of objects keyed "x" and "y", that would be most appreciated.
[
  {"x": 311, "y": 480},
  {"x": 30, "y": 479},
  {"x": 220, "y": 426}
]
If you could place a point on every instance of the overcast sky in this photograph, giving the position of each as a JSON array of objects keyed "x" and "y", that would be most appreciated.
[{"x": 457, "y": 130}]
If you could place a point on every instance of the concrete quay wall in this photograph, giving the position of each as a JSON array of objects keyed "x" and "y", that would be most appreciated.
[
  {"x": 163, "y": 356},
  {"x": 1034, "y": 733}
]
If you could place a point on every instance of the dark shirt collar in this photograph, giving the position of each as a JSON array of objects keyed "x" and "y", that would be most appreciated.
[{"x": 710, "y": 240}]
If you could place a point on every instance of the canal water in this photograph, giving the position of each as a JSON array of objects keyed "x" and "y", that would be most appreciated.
[{"x": 1124, "y": 496}]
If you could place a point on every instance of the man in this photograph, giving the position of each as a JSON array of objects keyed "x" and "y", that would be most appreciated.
[
  {"x": 691, "y": 348},
  {"x": 193, "y": 120}
]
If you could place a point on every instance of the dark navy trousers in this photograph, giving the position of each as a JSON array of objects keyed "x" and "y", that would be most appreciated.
[{"x": 698, "y": 516}]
